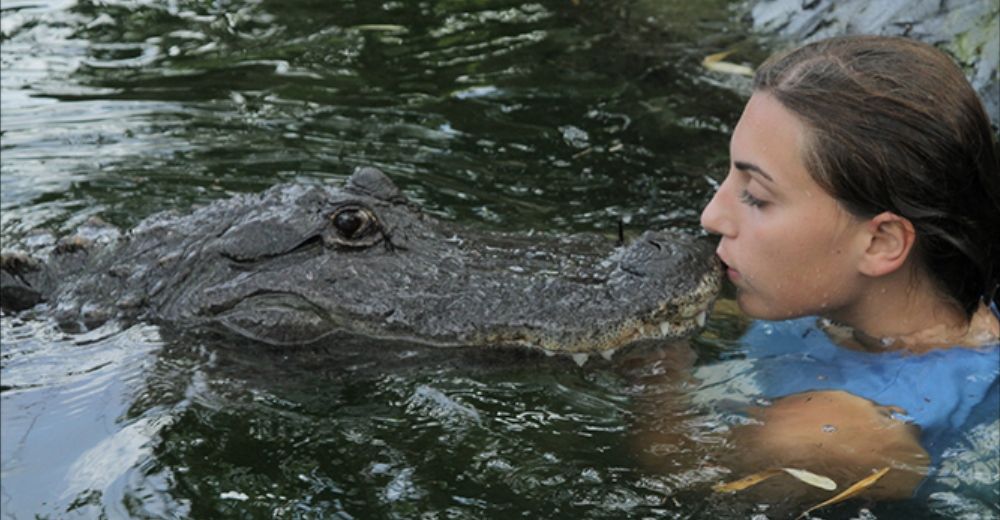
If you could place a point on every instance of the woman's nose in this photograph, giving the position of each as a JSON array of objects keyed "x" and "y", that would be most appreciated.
[{"x": 715, "y": 217}]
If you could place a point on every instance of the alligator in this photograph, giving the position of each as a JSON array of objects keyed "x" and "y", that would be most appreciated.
[{"x": 303, "y": 262}]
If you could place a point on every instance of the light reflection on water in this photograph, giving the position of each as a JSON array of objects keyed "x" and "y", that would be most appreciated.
[
  {"x": 500, "y": 114},
  {"x": 67, "y": 436},
  {"x": 463, "y": 109}
]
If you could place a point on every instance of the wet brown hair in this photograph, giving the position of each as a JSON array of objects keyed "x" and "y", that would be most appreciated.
[{"x": 895, "y": 126}]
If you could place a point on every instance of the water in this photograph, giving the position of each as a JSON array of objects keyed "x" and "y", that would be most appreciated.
[
  {"x": 488, "y": 115},
  {"x": 500, "y": 114}
]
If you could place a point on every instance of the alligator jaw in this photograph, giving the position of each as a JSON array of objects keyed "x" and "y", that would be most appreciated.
[{"x": 682, "y": 320}]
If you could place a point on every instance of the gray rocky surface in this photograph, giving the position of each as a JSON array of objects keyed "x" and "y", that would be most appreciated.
[{"x": 969, "y": 30}]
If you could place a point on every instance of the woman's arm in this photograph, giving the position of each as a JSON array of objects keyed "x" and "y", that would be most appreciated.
[{"x": 835, "y": 434}]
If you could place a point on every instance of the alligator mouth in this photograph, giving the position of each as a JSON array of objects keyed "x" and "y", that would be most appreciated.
[
  {"x": 669, "y": 321},
  {"x": 677, "y": 319},
  {"x": 286, "y": 318},
  {"x": 277, "y": 318}
]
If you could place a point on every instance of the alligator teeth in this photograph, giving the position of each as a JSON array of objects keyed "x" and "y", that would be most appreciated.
[
  {"x": 580, "y": 358},
  {"x": 608, "y": 354},
  {"x": 701, "y": 318},
  {"x": 665, "y": 329}
]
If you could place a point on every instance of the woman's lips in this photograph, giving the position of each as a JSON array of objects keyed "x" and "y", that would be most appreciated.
[{"x": 732, "y": 273}]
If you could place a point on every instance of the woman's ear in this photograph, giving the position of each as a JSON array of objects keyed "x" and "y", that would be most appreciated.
[{"x": 890, "y": 240}]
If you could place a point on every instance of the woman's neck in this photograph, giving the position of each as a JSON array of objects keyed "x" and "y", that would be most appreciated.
[{"x": 907, "y": 312}]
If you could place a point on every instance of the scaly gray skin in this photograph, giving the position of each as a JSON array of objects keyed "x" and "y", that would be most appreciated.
[{"x": 301, "y": 262}]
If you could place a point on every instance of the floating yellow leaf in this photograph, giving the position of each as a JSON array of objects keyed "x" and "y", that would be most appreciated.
[
  {"x": 381, "y": 27},
  {"x": 802, "y": 475},
  {"x": 858, "y": 487},
  {"x": 714, "y": 62},
  {"x": 717, "y": 57},
  {"x": 811, "y": 478},
  {"x": 745, "y": 482}
]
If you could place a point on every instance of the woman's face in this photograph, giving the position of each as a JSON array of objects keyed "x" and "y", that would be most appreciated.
[{"x": 790, "y": 248}]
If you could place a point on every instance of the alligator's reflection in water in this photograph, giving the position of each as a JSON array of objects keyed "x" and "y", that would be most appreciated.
[{"x": 332, "y": 431}]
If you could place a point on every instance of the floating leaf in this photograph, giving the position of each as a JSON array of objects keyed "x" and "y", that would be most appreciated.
[
  {"x": 802, "y": 475},
  {"x": 381, "y": 27},
  {"x": 745, "y": 482},
  {"x": 811, "y": 478},
  {"x": 717, "y": 57},
  {"x": 858, "y": 487},
  {"x": 714, "y": 62}
]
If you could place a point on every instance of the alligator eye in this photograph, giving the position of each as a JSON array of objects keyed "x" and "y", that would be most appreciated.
[
  {"x": 349, "y": 222},
  {"x": 355, "y": 226}
]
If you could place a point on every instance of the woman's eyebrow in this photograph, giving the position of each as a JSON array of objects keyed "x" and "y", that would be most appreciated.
[{"x": 752, "y": 168}]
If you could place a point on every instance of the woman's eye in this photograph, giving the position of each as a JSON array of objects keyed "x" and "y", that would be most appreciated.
[{"x": 747, "y": 198}]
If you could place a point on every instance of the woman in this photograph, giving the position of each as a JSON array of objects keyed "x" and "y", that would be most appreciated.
[{"x": 864, "y": 188}]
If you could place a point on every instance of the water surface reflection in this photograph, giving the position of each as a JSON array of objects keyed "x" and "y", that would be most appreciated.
[{"x": 504, "y": 114}]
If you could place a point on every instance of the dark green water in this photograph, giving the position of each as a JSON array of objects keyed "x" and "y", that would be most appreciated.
[{"x": 499, "y": 114}]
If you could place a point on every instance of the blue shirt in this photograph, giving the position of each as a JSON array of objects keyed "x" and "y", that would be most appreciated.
[{"x": 944, "y": 391}]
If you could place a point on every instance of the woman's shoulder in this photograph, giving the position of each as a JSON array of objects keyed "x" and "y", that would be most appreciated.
[{"x": 814, "y": 336}]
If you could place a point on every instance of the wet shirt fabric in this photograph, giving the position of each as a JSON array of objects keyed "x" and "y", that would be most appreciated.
[{"x": 946, "y": 391}]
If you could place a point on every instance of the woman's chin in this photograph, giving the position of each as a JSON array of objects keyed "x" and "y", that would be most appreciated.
[{"x": 752, "y": 306}]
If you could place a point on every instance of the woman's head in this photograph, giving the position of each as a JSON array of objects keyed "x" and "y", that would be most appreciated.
[
  {"x": 791, "y": 249},
  {"x": 891, "y": 126}
]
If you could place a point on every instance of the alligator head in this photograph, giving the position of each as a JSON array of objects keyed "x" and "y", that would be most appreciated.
[{"x": 302, "y": 262}]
